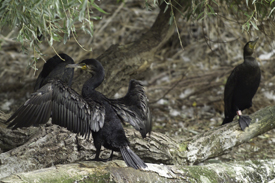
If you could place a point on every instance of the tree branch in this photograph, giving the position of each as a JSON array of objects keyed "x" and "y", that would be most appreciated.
[
  {"x": 53, "y": 145},
  {"x": 116, "y": 171}
]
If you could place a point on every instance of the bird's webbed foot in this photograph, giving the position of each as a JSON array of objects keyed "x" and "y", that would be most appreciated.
[{"x": 244, "y": 121}]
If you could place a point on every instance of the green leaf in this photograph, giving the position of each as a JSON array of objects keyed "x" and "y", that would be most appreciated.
[
  {"x": 166, "y": 8},
  {"x": 211, "y": 9},
  {"x": 248, "y": 25},
  {"x": 56, "y": 37},
  {"x": 51, "y": 41},
  {"x": 199, "y": 15},
  {"x": 171, "y": 19},
  {"x": 243, "y": 27},
  {"x": 96, "y": 18},
  {"x": 98, "y": 8},
  {"x": 82, "y": 10},
  {"x": 271, "y": 12},
  {"x": 254, "y": 25},
  {"x": 247, "y": 15},
  {"x": 246, "y": 2},
  {"x": 215, "y": 2},
  {"x": 65, "y": 38}
]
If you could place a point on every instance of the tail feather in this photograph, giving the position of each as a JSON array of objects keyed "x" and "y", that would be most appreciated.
[
  {"x": 131, "y": 159},
  {"x": 244, "y": 121}
]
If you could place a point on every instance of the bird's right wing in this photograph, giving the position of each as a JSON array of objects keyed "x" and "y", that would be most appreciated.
[
  {"x": 67, "y": 107},
  {"x": 133, "y": 108}
]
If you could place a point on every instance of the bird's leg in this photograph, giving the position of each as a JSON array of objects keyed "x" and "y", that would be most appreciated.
[
  {"x": 239, "y": 112},
  {"x": 97, "y": 155},
  {"x": 100, "y": 159}
]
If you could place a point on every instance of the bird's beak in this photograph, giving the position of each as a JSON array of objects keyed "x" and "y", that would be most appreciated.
[
  {"x": 77, "y": 66},
  {"x": 253, "y": 43}
]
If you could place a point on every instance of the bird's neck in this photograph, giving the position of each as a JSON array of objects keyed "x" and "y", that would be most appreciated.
[
  {"x": 247, "y": 54},
  {"x": 92, "y": 83},
  {"x": 250, "y": 60}
]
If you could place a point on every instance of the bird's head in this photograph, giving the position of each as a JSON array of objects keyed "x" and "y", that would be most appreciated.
[
  {"x": 249, "y": 47},
  {"x": 89, "y": 65}
]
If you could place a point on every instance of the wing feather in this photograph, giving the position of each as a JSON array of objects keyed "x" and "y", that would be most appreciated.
[
  {"x": 68, "y": 109},
  {"x": 134, "y": 109},
  {"x": 230, "y": 86},
  {"x": 28, "y": 113}
]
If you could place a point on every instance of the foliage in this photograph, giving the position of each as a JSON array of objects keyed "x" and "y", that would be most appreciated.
[
  {"x": 249, "y": 13},
  {"x": 56, "y": 20}
]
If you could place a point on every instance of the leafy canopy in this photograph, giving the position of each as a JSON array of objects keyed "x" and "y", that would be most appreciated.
[{"x": 56, "y": 20}]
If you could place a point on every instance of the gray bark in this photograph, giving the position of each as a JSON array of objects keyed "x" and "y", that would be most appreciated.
[
  {"x": 52, "y": 145},
  {"x": 116, "y": 171}
]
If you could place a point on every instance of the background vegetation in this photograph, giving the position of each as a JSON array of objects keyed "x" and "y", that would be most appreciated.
[{"x": 184, "y": 81}]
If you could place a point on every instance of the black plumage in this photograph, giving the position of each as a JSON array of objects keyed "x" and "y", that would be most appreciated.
[
  {"x": 37, "y": 109},
  {"x": 55, "y": 69},
  {"x": 91, "y": 113},
  {"x": 241, "y": 87}
]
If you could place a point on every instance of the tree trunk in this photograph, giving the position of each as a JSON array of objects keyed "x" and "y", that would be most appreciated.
[
  {"x": 54, "y": 145},
  {"x": 116, "y": 171},
  {"x": 125, "y": 62}
]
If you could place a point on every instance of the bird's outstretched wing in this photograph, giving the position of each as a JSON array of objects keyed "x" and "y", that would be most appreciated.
[
  {"x": 67, "y": 108},
  {"x": 133, "y": 108}
]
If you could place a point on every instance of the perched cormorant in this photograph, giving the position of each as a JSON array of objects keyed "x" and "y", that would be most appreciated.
[
  {"x": 241, "y": 86},
  {"x": 91, "y": 113}
]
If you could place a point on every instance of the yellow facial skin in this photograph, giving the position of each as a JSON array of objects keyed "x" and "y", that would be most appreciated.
[
  {"x": 84, "y": 67},
  {"x": 253, "y": 44}
]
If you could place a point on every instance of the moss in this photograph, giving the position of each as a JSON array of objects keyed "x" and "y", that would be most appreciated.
[
  {"x": 182, "y": 147},
  {"x": 202, "y": 175},
  {"x": 98, "y": 178}
]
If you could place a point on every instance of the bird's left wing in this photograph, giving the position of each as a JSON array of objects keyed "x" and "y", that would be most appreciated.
[
  {"x": 230, "y": 87},
  {"x": 36, "y": 110},
  {"x": 72, "y": 111},
  {"x": 67, "y": 108},
  {"x": 133, "y": 108}
]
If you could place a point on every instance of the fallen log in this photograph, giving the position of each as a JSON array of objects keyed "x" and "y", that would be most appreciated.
[{"x": 52, "y": 145}]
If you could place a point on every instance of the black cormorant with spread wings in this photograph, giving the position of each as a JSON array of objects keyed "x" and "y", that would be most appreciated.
[
  {"x": 241, "y": 86},
  {"x": 89, "y": 113}
]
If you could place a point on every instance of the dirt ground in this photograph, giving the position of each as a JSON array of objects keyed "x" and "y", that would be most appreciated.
[{"x": 185, "y": 83}]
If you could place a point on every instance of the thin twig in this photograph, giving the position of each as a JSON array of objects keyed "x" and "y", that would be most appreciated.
[{"x": 168, "y": 90}]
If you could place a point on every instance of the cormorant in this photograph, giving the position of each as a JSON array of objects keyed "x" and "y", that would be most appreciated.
[
  {"x": 91, "y": 113},
  {"x": 55, "y": 69},
  {"x": 37, "y": 109},
  {"x": 241, "y": 86}
]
